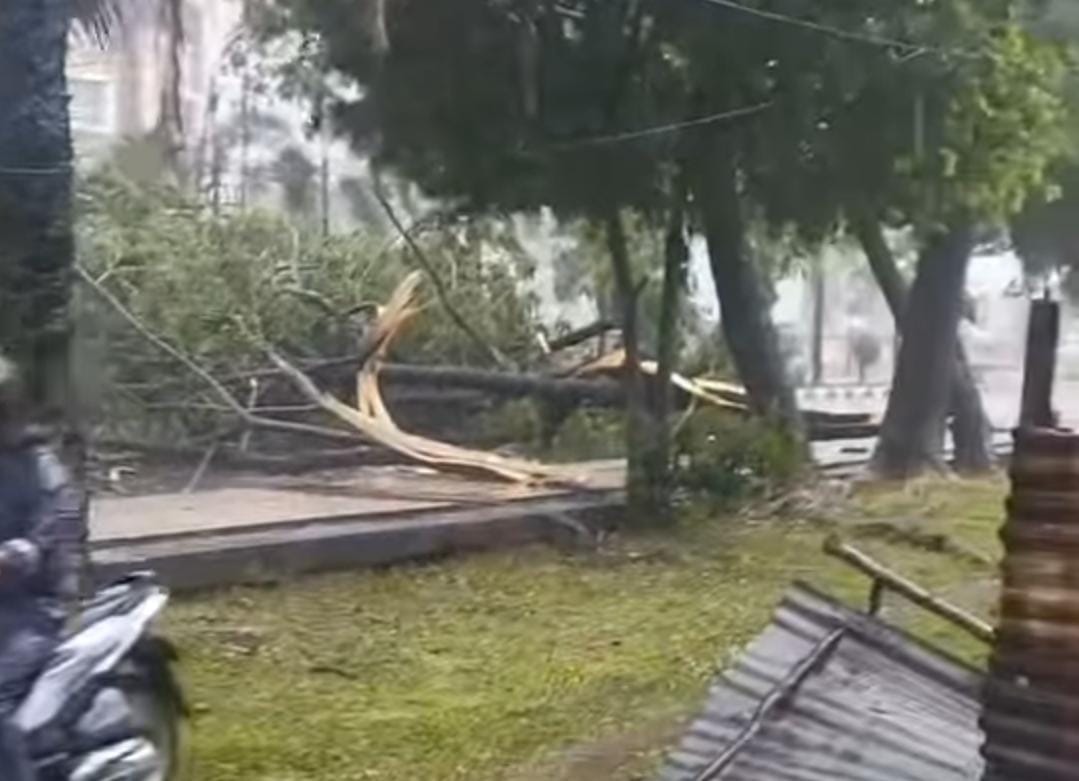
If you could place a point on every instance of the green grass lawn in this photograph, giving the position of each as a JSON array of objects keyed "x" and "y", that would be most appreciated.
[{"x": 536, "y": 664}]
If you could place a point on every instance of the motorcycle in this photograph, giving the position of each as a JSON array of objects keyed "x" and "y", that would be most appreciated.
[{"x": 107, "y": 706}]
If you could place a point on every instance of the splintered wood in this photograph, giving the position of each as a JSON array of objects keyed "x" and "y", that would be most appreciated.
[
  {"x": 714, "y": 392},
  {"x": 371, "y": 417}
]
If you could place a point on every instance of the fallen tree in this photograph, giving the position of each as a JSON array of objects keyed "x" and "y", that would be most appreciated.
[
  {"x": 233, "y": 405},
  {"x": 371, "y": 418},
  {"x": 596, "y": 385},
  {"x": 603, "y": 390}
]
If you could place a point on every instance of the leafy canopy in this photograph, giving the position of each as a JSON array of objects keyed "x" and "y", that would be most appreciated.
[{"x": 925, "y": 110}]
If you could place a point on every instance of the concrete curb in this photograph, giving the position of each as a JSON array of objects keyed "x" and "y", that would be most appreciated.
[{"x": 271, "y": 554}]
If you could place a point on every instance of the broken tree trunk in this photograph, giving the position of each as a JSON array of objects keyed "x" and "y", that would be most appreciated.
[
  {"x": 439, "y": 286},
  {"x": 371, "y": 418}
]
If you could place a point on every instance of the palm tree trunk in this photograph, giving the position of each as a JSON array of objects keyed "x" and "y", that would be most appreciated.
[{"x": 37, "y": 248}]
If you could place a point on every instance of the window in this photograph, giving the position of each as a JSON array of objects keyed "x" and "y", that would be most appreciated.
[{"x": 91, "y": 105}]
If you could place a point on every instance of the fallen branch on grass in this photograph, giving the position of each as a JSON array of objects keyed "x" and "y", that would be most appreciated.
[
  {"x": 371, "y": 418},
  {"x": 231, "y": 403},
  {"x": 125, "y": 451},
  {"x": 912, "y": 534}
]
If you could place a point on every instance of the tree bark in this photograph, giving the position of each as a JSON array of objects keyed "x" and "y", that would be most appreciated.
[
  {"x": 913, "y": 430},
  {"x": 574, "y": 338},
  {"x": 970, "y": 425},
  {"x": 170, "y": 118},
  {"x": 745, "y": 311},
  {"x": 646, "y": 496},
  {"x": 642, "y": 504},
  {"x": 972, "y": 431},
  {"x": 37, "y": 248},
  {"x": 675, "y": 259},
  {"x": 882, "y": 263}
]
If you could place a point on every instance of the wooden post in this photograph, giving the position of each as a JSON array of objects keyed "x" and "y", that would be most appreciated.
[
  {"x": 884, "y": 578},
  {"x": 1039, "y": 369}
]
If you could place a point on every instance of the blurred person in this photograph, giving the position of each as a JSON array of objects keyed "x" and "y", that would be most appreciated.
[
  {"x": 863, "y": 347},
  {"x": 42, "y": 540}
]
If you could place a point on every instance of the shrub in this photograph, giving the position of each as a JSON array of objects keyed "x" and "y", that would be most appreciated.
[
  {"x": 733, "y": 459},
  {"x": 590, "y": 434}
]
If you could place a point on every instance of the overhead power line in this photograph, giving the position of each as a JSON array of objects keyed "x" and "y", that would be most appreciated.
[
  {"x": 658, "y": 130},
  {"x": 826, "y": 29}
]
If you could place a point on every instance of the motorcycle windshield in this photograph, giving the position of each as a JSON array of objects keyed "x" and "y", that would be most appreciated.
[{"x": 113, "y": 622}]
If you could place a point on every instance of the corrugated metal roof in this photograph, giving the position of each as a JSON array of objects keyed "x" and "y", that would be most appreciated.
[
  {"x": 829, "y": 694},
  {"x": 1032, "y": 702}
]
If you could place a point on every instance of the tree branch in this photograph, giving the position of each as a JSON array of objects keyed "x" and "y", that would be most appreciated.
[
  {"x": 574, "y": 338},
  {"x": 440, "y": 287},
  {"x": 213, "y": 383}
]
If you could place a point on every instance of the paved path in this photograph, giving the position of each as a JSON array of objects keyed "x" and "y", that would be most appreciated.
[{"x": 376, "y": 493}]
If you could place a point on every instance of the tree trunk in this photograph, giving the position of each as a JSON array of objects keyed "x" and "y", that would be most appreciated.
[
  {"x": 642, "y": 502},
  {"x": 745, "y": 311},
  {"x": 882, "y": 263},
  {"x": 324, "y": 165},
  {"x": 971, "y": 428},
  {"x": 675, "y": 260},
  {"x": 170, "y": 118},
  {"x": 913, "y": 430},
  {"x": 972, "y": 431},
  {"x": 818, "y": 322},
  {"x": 37, "y": 249}
]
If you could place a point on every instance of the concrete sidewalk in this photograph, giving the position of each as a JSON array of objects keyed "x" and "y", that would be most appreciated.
[{"x": 265, "y": 528}]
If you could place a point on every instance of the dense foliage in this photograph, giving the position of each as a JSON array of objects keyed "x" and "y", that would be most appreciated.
[
  {"x": 207, "y": 282},
  {"x": 765, "y": 126},
  {"x": 731, "y": 460}
]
